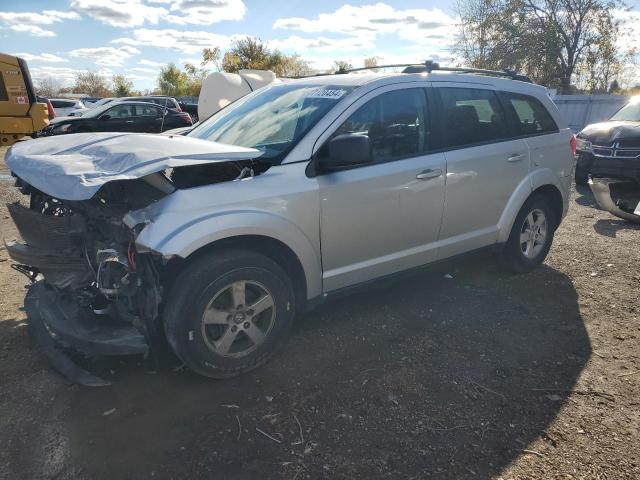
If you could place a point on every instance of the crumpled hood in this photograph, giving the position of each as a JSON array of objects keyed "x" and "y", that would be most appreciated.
[
  {"x": 74, "y": 167},
  {"x": 605, "y": 133}
]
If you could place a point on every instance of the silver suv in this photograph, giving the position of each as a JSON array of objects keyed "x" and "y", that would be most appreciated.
[{"x": 296, "y": 192}]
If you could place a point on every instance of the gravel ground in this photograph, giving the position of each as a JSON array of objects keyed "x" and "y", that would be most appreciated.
[{"x": 482, "y": 375}]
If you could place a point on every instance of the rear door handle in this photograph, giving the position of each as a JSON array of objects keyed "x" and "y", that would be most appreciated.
[
  {"x": 128, "y": 121},
  {"x": 429, "y": 173},
  {"x": 516, "y": 157}
]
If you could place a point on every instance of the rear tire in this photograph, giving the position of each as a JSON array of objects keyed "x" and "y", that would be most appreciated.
[
  {"x": 581, "y": 175},
  {"x": 229, "y": 312},
  {"x": 531, "y": 235}
]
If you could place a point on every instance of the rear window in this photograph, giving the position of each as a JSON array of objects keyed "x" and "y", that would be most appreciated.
[
  {"x": 471, "y": 116},
  {"x": 3, "y": 90},
  {"x": 62, "y": 103},
  {"x": 533, "y": 118}
]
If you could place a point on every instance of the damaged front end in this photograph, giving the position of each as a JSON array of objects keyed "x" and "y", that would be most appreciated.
[
  {"x": 618, "y": 196},
  {"x": 91, "y": 290}
]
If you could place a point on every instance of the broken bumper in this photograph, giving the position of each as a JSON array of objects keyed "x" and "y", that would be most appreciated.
[
  {"x": 602, "y": 190},
  {"x": 57, "y": 323}
]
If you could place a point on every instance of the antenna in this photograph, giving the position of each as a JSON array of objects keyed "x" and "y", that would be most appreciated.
[{"x": 164, "y": 113}]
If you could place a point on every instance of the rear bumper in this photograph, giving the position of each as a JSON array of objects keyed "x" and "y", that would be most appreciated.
[{"x": 602, "y": 190}]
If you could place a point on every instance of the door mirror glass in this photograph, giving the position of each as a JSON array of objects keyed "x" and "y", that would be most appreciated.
[{"x": 345, "y": 151}]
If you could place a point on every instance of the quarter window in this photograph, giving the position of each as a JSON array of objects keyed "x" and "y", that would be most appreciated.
[
  {"x": 533, "y": 118},
  {"x": 471, "y": 116},
  {"x": 147, "y": 110},
  {"x": 395, "y": 123}
]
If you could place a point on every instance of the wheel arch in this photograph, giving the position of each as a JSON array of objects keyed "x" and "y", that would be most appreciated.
[
  {"x": 541, "y": 181},
  {"x": 272, "y": 248}
]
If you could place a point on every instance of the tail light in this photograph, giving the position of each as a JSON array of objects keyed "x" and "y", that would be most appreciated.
[
  {"x": 186, "y": 117},
  {"x": 573, "y": 144},
  {"x": 51, "y": 111}
]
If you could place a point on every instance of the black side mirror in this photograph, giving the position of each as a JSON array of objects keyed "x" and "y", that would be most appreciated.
[
  {"x": 346, "y": 151},
  {"x": 106, "y": 116}
]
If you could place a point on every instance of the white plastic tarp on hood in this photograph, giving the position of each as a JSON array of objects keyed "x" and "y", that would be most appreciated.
[{"x": 74, "y": 167}]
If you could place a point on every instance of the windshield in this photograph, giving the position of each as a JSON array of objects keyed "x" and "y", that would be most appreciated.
[
  {"x": 101, "y": 102},
  {"x": 272, "y": 119},
  {"x": 630, "y": 112},
  {"x": 97, "y": 111}
]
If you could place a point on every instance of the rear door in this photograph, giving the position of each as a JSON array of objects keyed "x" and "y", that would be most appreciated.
[
  {"x": 535, "y": 124},
  {"x": 484, "y": 165},
  {"x": 148, "y": 118},
  {"x": 383, "y": 217}
]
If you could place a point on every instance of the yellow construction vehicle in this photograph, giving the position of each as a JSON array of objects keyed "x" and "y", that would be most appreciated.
[{"x": 20, "y": 114}]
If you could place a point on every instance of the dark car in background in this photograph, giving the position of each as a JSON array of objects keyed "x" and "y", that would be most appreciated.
[
  {"x": 121, "y": 117},
  {"x": 161, "y": 100},
  {"x": 612, "y": 147}
]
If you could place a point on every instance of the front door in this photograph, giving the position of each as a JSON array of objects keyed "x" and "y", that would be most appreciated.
[
  {"x": 119, "y": 118},
  {"x": 382, "y": 217}
]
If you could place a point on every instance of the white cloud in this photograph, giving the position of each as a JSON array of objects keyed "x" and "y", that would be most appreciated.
[
  {"x": 205, "y": 12},
  {"x": 30, "y": 22},
  {"x": 64, "y": 75},
  {"x": 189, "y": 42},
  {"x": 43, "y": 57},
  {"x": 33, "y": 30},
  {"x": 109, "y": 56},
  {"x": 119, "y": 13},
  {"x": 300, "y": 44},
  {"x": 143, "y": 69},
  {"x": 151, "y": 63},
  {"x": 422, "y": 26}
]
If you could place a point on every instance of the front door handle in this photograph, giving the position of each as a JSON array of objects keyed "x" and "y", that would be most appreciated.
[
  {"x": 429, "y": 173},
  {"x": 516, "y": 157}
]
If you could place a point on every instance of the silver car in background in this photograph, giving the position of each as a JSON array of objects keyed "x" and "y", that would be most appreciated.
[{"x": 281, "y": 200}]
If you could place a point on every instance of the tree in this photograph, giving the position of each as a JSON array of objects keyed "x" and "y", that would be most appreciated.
[
  {"x": 549, "y": 40},
  {"x": 172, "y": 81},
  {"x": 194, "y": 78},
  {"x": 92, "y": 84},
  {"x": 122, "y": 87},
  {"x": 370, "y": 62},
  {"x": 48, "y": 86},
  {"x": 252, "y": 53},
  {"x": 211, "y": 55},
  {"x": 247, "y": 53},
  {"x": 340, "y": 66}
]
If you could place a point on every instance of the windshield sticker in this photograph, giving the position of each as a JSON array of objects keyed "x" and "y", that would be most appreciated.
[{"x": 327, "y": 93}]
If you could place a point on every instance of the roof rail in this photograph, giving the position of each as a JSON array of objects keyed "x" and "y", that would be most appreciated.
[{"x": 429, "y": 66}]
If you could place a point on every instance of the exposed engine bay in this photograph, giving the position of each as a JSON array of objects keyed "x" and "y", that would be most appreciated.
[{"x": 91, "y": 289}]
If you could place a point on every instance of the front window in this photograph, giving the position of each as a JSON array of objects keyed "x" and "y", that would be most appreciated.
[
  {"x": 272, "y": 119},
  {"x": 630, "y": 112}
]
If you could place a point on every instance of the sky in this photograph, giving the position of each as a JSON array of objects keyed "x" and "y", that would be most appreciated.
[{"x": 58, "y": 38}]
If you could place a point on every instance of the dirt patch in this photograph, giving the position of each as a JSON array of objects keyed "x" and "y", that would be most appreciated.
[{"x": 479, "y": 376}]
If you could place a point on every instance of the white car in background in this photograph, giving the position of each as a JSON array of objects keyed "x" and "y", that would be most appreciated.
[{"x": 66, "y": 107}]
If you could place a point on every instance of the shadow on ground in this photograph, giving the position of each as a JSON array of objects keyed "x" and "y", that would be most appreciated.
[
  {"x": 584, "y": 196},
  {"x": 428, "y": 377}
]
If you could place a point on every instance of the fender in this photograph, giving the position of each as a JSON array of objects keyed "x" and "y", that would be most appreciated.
[
  {"x": 169, "y": 235},
  {"x": 536, "y": 179}
]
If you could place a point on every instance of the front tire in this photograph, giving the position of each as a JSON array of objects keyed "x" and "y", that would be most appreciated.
[
  {"x": 531, "y": 235},
  {"x": 229, "y": 312}
]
